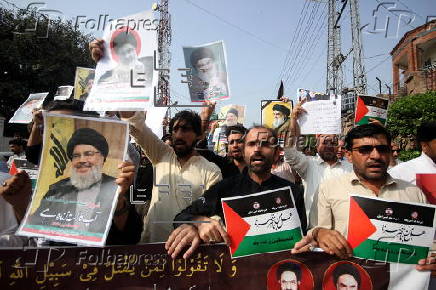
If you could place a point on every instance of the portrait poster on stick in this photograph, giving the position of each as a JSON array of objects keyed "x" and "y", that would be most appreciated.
[
  {"x": 230, "y": 115},
  {"x": 125, "y": 76},
  {"x": 263, "y": 222},
  {"x": 23, "y": 115},
  {"x": 76, "y": 193},
  {"x": 390, "y": 231},
  {"x": 83, "y": 82},
  {"x": 208, "y": 75}
]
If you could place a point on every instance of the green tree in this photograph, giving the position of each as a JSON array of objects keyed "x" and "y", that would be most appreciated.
[
  {"x": 37, "y": 61},
  {"x": 405, "y": 116}
]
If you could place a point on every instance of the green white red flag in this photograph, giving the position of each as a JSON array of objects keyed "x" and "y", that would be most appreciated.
[
  {"x": 263, "y": 222},
  {"x": 390, "y": 231}
]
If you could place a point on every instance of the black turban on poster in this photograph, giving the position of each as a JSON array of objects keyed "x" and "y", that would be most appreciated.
[
  {"x": 200, "y": 53},
  {"x": 87, "y": 136},
  {"x": 233, "y": 111},
  {"x": 282, "y": 109}
]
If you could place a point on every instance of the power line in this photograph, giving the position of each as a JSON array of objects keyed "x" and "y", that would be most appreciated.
[
  {"x": 294, "y": 59},
  {"x": 306, "y": 44},
  {"x": 234, "y": 25},
  {"x": 377, "y": 65},
  {"x": 390, "y": 11}
]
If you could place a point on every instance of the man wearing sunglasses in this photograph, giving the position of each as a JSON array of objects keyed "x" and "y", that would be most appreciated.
[{"x": 368, "y": 149}]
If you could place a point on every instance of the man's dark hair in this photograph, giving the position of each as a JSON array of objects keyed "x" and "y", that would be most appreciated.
[
  {"x": 236, "y": 129},
  {"x": 346, "y": 268},
  {"x": 18, "y": 142},
  {"x": 190, "y": 117},
  {"x": 426, "y": 132},
  {"x": 71, "y": 105},
  {"x": 366, "y": 130},
  {"x": 123, "y": 38},
  {"x": 200, "y": 53},
  {"x": 288, "y": 266}
]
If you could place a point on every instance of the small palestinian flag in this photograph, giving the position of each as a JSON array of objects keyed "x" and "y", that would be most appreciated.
[
  {"x": 370, "y": 107},
  {"x": 390, "y": 231},
  {"x": 263, "y": 222}
]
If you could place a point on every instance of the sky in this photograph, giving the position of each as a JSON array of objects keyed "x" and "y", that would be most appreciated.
[{"x": 267, "y": 40}]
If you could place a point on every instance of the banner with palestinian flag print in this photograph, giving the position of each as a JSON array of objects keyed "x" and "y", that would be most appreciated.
[
  {"x": 369, "y": 107},
  {"x": 389, "y": 231},
  {"x": 263, "y": 222}
]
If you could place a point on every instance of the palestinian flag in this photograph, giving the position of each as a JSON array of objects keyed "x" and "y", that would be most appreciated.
[
  {"x": 390, "y": 231},
  {"x": 263, "y": 222},
  {"x": 370, "y": 107}
]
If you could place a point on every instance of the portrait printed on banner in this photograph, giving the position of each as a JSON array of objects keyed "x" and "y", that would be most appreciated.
[
  {"x": 276, "y": 115},
  {"x": 208, "y": 64},
  {"x": 76, "y": 192},
  {"x": 346, "y": 275},
  {"x": 83, "y": 82},
  {"x": 125, "y": 76},
  {"x": 290, "y": 275}
]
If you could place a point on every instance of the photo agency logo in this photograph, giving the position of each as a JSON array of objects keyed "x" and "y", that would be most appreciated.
[
  {"x": 103, "y": 21},
  {"x": 392, "y": 21},
  {"x": 42, "y": 21}
]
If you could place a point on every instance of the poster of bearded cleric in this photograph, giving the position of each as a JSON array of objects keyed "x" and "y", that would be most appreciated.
[
  {"x": 208, "y": 76},
  {"x": 277, "y": 115},
  {"x": 125, "y": 77},
  {"x": 75, "y": 195}
]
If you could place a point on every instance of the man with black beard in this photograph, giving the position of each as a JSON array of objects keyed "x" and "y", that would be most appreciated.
[
  {"x": 181, "y": 174},
  {"x": 314, "y": 170},
  {"x": 83, "y": 201},
  {"x": 206, "y": 213},
  {"x": 235, "y": 145}
]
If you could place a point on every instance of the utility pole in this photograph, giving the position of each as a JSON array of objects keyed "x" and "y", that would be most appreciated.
[
  {"x": 359, "y": 74},
  {"x": 164, "y": 54},
  {"x": 334, "y": 56}
]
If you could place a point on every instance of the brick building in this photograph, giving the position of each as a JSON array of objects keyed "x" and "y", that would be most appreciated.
[{"x": 414, "y": 61}]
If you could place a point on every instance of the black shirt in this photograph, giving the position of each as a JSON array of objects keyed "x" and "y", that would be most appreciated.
[{"x": 210, "y": 203}]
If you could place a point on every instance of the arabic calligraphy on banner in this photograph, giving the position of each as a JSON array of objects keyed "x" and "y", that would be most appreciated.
[{"x": 149, "y": 267}]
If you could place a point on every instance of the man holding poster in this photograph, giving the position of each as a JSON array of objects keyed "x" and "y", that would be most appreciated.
[
  {"x": 368, "y": 148},
  {"x": 206, "y": 213}
]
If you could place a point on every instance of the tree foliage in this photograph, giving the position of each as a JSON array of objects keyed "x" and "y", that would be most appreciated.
[
  {"x": 37, "y": 61},
  {"x": 406, "y": 115}
]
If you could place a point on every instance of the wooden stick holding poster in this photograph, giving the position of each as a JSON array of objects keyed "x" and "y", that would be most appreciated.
[{"x": 76, "y": 193}]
